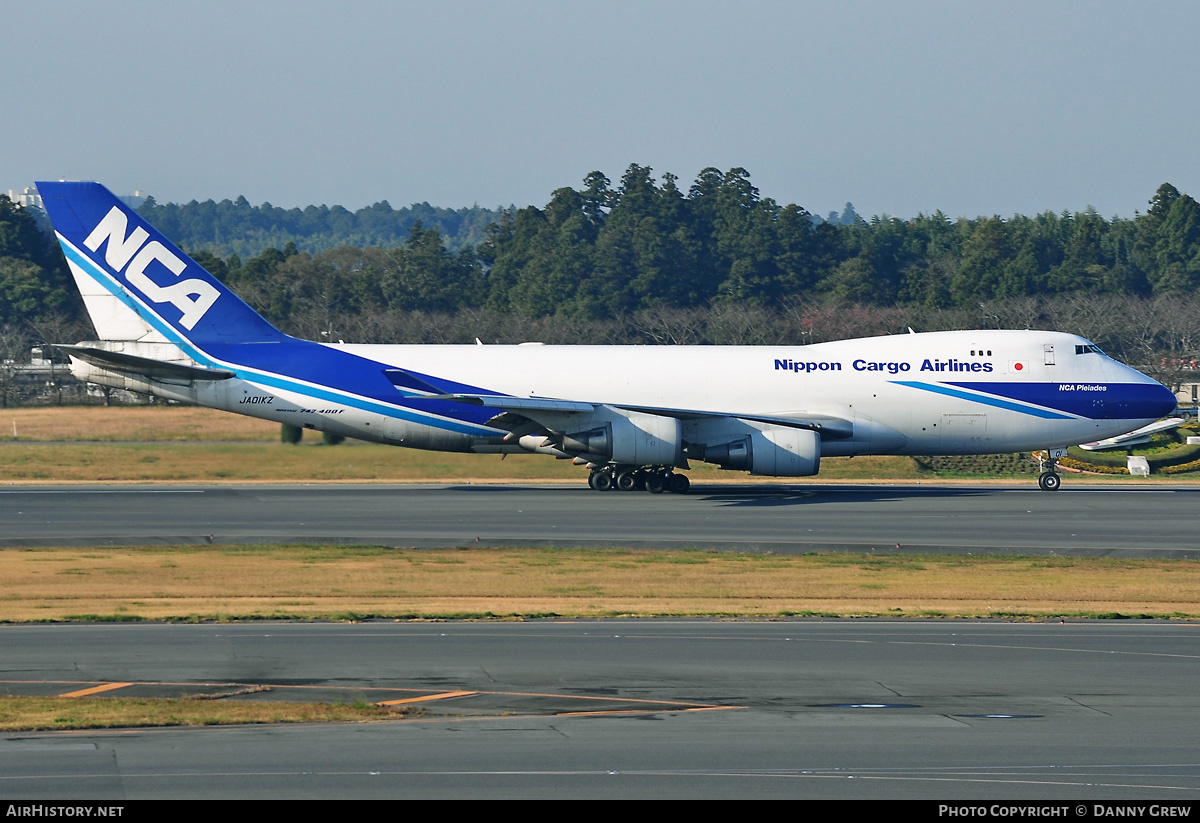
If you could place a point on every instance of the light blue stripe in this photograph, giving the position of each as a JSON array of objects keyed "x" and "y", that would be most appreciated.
[
  {"x": 986, "y": 400},
  {"x": 268, "y": 379}
]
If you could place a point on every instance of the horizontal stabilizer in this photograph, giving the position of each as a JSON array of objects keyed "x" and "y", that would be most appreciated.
[{"x": 145, "y": 366}]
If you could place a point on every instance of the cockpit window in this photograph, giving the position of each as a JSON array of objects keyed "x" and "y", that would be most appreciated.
[{"x": 1088, "y": 349}]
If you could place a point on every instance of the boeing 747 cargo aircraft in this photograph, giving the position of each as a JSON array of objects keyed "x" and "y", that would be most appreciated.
[{"x": 633, "y": 415}]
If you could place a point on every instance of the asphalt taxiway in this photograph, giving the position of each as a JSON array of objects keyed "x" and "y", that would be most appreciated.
[
  {"x": 1105, "y": 520},
  {"x": 642, "y": 709}
]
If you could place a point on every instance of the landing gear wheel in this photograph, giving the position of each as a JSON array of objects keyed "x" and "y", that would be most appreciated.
[
  {"x": 656, "y": 484},
  {"x": 626, "y": 481},
  {"x": 1049, "y": 482},
  {"x": 678, "y": 483},
  {"x": 601, "y": 481}
]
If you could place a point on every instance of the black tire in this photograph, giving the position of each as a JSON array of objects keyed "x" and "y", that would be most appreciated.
[
  {"x": 678, "y": 483},
  {"x": 626, "y": 481},
  {"x": 656, "y": 484},
  {"x": 601, "y": 481},
  {"x": 1049, "y": 482}
]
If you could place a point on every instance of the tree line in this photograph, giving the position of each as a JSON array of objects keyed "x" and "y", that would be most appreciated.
[
  {"x": 236, "y": 227},
  {"x": 603, "y": 251},
  {"x": 644, "y": 261}
]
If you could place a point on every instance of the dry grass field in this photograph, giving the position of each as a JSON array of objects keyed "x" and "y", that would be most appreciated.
[
  {"x": 50, "y": 713},
  {"x": 253, "y": 462},
  {"x": 182, "y": 444},
  {"x": 131, "y": 424},
  {"x": 315, "y": 582}
]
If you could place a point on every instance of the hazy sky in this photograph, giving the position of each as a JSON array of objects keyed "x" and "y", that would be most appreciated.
[{"x": 900, "y": 107}]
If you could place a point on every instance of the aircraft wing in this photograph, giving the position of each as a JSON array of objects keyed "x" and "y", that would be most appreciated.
[
  {"x": 520, "y": 405},
  {"x": 824, "y": 424},
  {"x": 540, "y": 409}
]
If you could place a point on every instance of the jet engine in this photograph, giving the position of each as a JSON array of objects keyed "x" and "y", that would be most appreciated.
[
  {"x": 772, "y": 451},
  {"x": 630, "y": 438}
]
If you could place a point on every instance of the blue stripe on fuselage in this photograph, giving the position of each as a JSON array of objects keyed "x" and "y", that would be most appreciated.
[
  {"x": 1063, "y": 401},
  {"x": 333, "y": 369},
  {"x": 1095, "y": 400},
  {"x": 938, "y": 388}
]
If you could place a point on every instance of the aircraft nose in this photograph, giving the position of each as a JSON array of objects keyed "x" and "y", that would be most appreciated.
[
  {"x": 1161, "y": 401},
  {"x": 1138, "y": 396}
]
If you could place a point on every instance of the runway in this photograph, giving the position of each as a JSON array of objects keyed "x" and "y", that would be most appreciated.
[
  {"x": 635, "y": 709},
  {"x": 1143, "y": 521}
]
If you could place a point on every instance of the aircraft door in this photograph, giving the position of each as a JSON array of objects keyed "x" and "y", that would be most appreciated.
[{"x": 963, "y": 431}]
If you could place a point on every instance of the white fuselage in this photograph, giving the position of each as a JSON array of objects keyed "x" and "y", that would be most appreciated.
[{"x": 892, "y": 389}]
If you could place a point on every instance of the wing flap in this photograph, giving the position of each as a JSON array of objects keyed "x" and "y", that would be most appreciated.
[{"x": 827, "y": 425}]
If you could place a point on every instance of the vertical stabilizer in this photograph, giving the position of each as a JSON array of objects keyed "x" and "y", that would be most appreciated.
[{"x": 136, "y": 284}]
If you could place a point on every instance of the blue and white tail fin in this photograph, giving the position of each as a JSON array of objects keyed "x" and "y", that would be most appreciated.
[{"x": 136, "y": 284}]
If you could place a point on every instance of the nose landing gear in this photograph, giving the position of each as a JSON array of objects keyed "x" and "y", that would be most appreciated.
[{"x": 1049, "y": 480}]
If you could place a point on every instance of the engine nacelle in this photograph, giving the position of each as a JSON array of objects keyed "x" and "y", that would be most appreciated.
[
  {"x": 771, "y": 451},
  {"x": 630, "y": 438}
]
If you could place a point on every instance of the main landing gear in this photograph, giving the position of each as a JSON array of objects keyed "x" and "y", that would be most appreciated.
[
  {"x": 1049, "y": 480},
  {"x": 630, "y": 478}
]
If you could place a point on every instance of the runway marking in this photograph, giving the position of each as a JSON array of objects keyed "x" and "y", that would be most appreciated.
[
  {"x": 425, "y": 698},
  {"x": 105, "y": 687}
]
